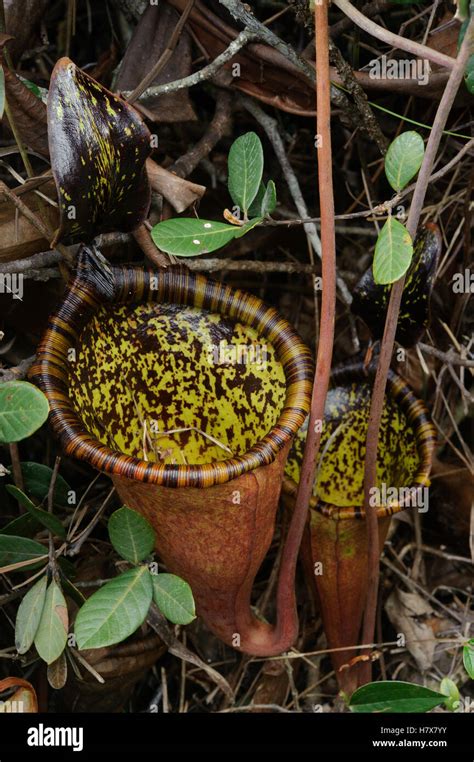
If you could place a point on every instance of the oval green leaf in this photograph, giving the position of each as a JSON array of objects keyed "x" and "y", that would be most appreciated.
[
  {"x": 269, "y": 201},
  {"x": 393, "y": 252},
  {"x": 23, "y": 409},
  {"x": 468, "y": 658},
  {"x": 14, "y": 550},
  {"x": 48, "y": 520},
  {"x": 245, "y": 167},
  {"x": 115, "y": 611},
  {"x": 29, "y": 615},
  {"x": 394, "y": 696},
  {"x": 255, "y": 207},
  {"x": 131, "y": 535},
  {"x": 404, "y": 158},
  {"x": 187, "y": 237},
  {"x": 37, "y": 478},
  {"x": 449, "y": 689},
  {"x": 51, "y": 635},
  {"x": 370, "y": 300},
  {"x": 23, "y": 526},
  {"x": 174, "y": 598}
]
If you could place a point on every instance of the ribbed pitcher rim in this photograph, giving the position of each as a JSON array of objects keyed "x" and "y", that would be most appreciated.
[{"x": 132, "y": 285}]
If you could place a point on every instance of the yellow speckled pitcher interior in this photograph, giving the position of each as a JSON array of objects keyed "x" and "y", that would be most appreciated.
[
  {"x": 406, "y": 442},
  {"x": 175, "y": 384},
  {"x": 170, "y": 378}
]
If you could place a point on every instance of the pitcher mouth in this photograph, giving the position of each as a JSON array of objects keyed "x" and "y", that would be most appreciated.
[
  {"x": 417, "y": 425},
  {"x": 133, "y": 285}
]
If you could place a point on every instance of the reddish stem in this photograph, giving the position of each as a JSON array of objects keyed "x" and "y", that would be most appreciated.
[{"x": 285, "y": 593}]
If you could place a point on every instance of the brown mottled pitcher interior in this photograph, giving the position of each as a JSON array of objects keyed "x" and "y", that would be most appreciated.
[{"x": 145, "y": 369}]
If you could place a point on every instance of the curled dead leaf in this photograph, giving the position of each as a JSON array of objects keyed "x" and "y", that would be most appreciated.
[
  {"x": 28, "y": 113},
  {"x": 4, "y": 38},
  {"x": 24, "y": 699},
  {"x": 180, "y": 193}
]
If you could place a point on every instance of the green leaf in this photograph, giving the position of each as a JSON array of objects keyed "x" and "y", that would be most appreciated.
[
  {"x": 174, "y": 598},
  {"x": 404, "y": 158},
  {"x": 22, "y": 526},
  {"x": 462, "y": 9},
  {"x": 393, "y": 252},
  {"x": 469, "y": 73},
  {"x": 51, "y": 635},
  {"x": 264, "y": 202},
  {"x": 469, "y": 76},
  {"x": 370, "y": 300},
  {"x": 37, "y": 478},
  {"x": 450, "y": 689},
  {"x": 269, "y": 200},
  {"x": 2, "y": 91},
  {"x": 245, "y": 166},
  {"x": 248, "y": 227},
  {"x": 67, "y": 567},
  {"x": 255, "y": 207},
  {"x": 116, "y": 610},
  {"x": 29, "y": 615},
  {"x": 13, "y": 550},
  {"x": 394, "y": 696},
  {"x": 23, "y": 409},
  {"x": 131, "y": 535},
  {"x": 46, "y": 519},
  {"x": 73, "y": 592},
  {"x": 188, "y": 237},
  {"x": 33, "y": 87},
  {"x": 468, "y": 658}
]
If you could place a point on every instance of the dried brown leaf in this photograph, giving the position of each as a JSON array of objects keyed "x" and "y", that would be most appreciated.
[
  {"x": 28, "y": 112},
  {"x": 23, "y": 700},
  {"x": 23, "y": 18},
  {"x": 407, "y": 612},
  {"x": 18, "y": 237},
  {"x": 149, "y": 41},
  {"x": 264, "y": 72},
  {"x": 57, "y": 672},
  {"x": 180, "y": 193},
  {"x": 4, "y": 38}
]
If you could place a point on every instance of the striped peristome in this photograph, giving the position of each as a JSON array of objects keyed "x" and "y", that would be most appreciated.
[{"x": 152, "y": 317}]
